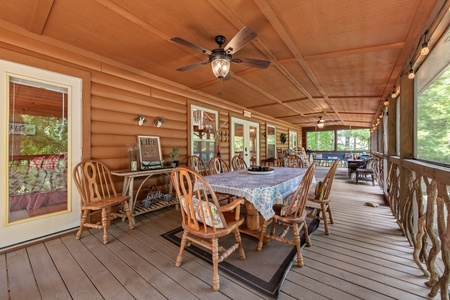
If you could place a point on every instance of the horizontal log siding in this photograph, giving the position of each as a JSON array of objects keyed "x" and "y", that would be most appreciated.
[{"x": 116, "y": 94}]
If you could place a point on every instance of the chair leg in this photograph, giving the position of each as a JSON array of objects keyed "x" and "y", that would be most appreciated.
[
  {"x": 324, "y": 218},
  {"x": 373, "y": 180},
  {"x": 329, "y": 213},
  {"x": 307, "y": 239},
  {"x": 262, "y": 236},
  {"x": 215, "y": 259},
  {"x": 357, "y": 177},
  {"x": 297, "y": 245},
  {"x": 84, "y": 217},
  {"x": 182, "y": 245},
  {"x": 105, "y": 222},
  {"x": 237, "y": 236}
]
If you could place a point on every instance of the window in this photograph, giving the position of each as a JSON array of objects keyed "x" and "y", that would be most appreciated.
[
  {"x": 292, "y": 140},
  {"x": 271, "y": 137},
  {"x": 353, "y": 140},
  {"x": 432, "y": 86},
  {"x": 320, "y": 140},
  {"x": 204, "y": 127}
]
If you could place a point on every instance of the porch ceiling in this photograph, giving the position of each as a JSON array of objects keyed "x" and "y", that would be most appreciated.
[{"x": 335, "y": 59}]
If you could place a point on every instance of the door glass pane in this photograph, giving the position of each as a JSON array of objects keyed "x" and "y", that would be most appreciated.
[
  {"x": 238, "y": 139},
  {"x": 203, "y": 128},
  {"x": 38, "y": 139},
  {"x": 271, "y": 142},
  {"x": 253, "y": 141}
]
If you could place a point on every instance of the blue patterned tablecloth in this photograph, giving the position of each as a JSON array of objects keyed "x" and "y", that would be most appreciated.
[{"x": 263, "y": 191}]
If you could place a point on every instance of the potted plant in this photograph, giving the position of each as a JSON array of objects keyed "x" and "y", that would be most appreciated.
[{"x": 173, "y": 155}]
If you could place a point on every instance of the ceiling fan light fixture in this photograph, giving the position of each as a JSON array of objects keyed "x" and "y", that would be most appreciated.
[
  {"x": 220, "y": 65},
  {"x": 320, "y": 123}
]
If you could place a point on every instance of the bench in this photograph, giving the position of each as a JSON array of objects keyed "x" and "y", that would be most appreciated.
[{"x": 327, "y": 159}]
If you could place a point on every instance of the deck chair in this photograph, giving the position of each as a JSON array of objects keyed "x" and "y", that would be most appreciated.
[
  {"x": 319, "y": 201},
  {"x": 196, "y": 163},
  {"x": 97, "y": 191},
  {"x": 366, "y": 170},
  {"x": 293, "y": 161},
  {"x": 238, "y": 163},
  {"x": 291, "y": 215},
  {"x": 217, "y": 165},
  {"x": 204, "y": 221}
]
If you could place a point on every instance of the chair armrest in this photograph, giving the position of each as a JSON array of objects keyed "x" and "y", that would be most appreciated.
[{"x": 236, "y": 204}]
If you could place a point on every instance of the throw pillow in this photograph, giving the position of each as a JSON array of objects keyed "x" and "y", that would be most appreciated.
[{"x": 204, "y": 206}]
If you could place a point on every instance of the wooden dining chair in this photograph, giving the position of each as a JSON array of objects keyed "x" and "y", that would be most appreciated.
[
  {"x": 365, "y": 170},
  {"x": 293, "y": 161},
  {"x": 238, "y": 163},
  {"x": 217, "y": 165},
  {"x": 319, "y": 201},
  {"x": 196, "y": 163},
  {"x": 204, "y": 221},
  {"x": 291, "y": 215},
  {"x": 94, "y": 183}
]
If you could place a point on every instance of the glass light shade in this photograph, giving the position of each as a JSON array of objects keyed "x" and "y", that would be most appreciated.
[
  {"x": 411, "y": 74},
  {"x": 320, "y": 125},
  {"x": 425, "y": 50},
  {"x": 220, "y": 67}
]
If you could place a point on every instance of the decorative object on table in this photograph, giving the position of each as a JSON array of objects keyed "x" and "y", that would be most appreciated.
[
  {"x": 159, "y": 121},
  {"x": 173, "y": 155},
  {"x": 283, "y": 138},
  {"x": 140, "y": 120},
  {"x": 133, "y": 156},
  {"x": 260, "y": 170},
  {"x": 150, "y": 155}
]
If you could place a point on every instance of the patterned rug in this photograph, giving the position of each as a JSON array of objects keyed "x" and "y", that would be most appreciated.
[{"x": 263, "y": 271}]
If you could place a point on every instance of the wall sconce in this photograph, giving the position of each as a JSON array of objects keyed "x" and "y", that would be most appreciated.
[
  {"x": 425, "y": 50},
  {"x": 159, "y": 121},
  {"x": 140, "y": 120}
]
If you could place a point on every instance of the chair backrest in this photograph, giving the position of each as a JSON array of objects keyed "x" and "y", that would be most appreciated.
[
  {"x": 93, "y": 181},
  {"x": 217, "y": 165},
  {"x": 296, "y": 203},
  {"x": 196, "y": 163},
  {"x": 369, "y": 163},
  {"x": 238, "y": 163},
  {"x": 293, "y": 161},
  {"x": 199, "y": 205},
  {"x": 327, "y": 182}
]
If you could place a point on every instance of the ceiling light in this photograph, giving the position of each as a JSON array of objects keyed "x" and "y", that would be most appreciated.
[
  {"x": 425, "y": 50},
  {"x": 220, "y": 63},
  {"x": 320, "y": 123},
  {"x": 411, "y": 74}
]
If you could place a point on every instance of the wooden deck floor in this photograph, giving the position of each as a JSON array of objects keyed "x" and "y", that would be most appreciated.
[{"x": 365, "y": 257}]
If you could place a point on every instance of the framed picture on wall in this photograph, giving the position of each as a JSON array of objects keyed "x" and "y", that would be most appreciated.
[{"x": 150, "y": 154}]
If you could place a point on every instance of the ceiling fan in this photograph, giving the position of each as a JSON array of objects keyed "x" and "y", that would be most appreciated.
[
  {"x": 221, "y": 57},
  {"x": 320, "y": 123}
]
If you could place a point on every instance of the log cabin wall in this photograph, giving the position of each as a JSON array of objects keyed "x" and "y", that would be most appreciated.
[{"x": 115, "y": 94}]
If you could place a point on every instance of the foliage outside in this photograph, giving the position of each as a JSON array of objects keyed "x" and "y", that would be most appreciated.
[
  {"x": 433, "y": 124},
  {"x": 320, "y": 140},
  {"x": 347, "y": 140}
]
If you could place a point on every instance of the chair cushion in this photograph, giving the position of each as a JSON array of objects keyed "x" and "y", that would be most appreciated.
[
  {"x": 215, "y": 215},
  {"x": 319, "y": 191}
]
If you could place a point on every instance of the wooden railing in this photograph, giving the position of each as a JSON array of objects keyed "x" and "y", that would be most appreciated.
[{"x": 418, "y": 194}]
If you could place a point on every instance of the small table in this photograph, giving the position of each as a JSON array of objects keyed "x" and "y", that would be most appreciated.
[
  {"x": 136, "y": 207},
  {"x": 260, "y": 191}
]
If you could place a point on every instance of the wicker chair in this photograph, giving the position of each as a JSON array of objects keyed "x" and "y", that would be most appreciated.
[
  {"x": 291, "y": 215},
  {"x": 97, "y": 191},
  {"x": 196, "y": 163},
  {"x": 238, "y": 163},
  {"x": 204, "y": 221},
  {"x": 320, "y": 200}
]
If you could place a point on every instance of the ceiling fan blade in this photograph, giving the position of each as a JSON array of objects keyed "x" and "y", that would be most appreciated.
[
  {"x": 252, "y": 62},
  {"x": 191, "y": 45},
  {"x": 193, "y": 66},
  {"x": 244, "y": 36}
]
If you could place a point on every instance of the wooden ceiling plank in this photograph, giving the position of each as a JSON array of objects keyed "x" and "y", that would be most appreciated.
[{"x": 40, "y": 17}]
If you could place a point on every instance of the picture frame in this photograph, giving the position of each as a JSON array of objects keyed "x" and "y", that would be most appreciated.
[{"x": 150, "y": 155}]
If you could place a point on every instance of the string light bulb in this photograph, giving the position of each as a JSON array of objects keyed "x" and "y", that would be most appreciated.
[
  {"x": 425, "y": 50},
  {"x": 411, "y": 74}
]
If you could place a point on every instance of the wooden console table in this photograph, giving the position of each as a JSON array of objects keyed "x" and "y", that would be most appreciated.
[{"x": 136, "y": 206}]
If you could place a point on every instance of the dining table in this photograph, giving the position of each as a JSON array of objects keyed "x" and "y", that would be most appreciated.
[{"x": 260, "y": 189}]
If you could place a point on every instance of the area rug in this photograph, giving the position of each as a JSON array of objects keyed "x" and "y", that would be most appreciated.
[{"x": 263, "y": 271}]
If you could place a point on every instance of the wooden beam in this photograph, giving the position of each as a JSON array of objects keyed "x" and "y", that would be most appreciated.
[{"x": 378, "y": 48}]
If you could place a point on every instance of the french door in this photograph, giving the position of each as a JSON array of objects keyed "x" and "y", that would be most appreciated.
[
  {"x": 245, "y": 140},
  {"x": 41, "y": 131}
]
